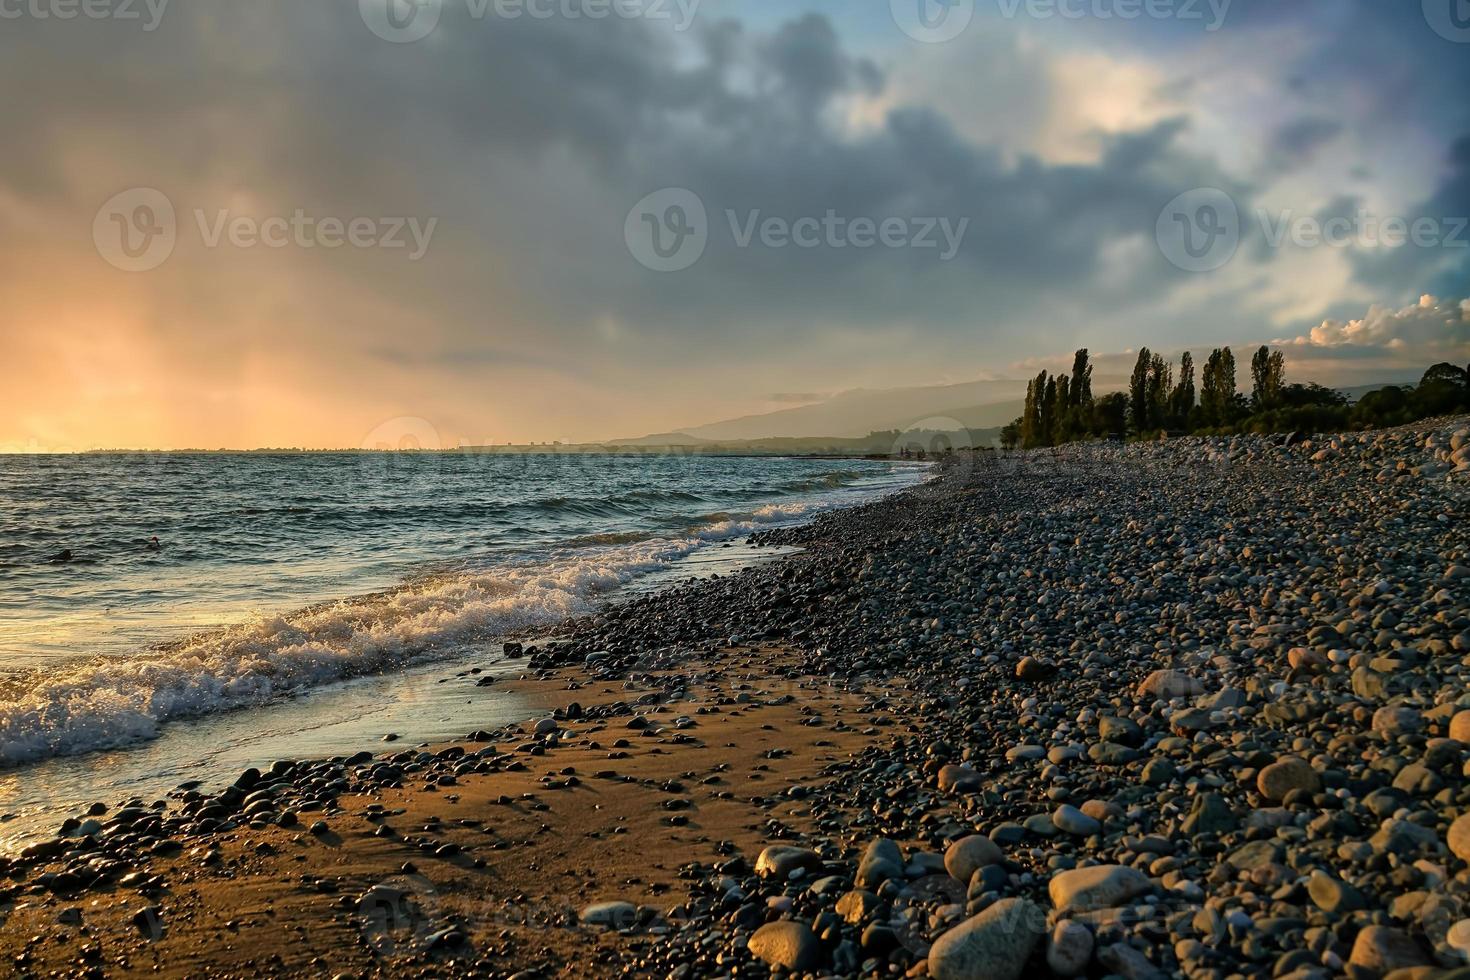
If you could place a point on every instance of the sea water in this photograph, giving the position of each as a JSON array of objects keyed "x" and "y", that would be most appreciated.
[{"x": 302, "y": 604}]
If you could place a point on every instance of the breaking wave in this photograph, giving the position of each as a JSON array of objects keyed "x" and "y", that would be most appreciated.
[{"x": 116, "y": 701}]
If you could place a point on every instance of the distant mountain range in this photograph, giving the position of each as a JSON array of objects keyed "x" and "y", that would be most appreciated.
[
  {"x": 857, "y": 413},
  {"x": 979, "y": 406}
]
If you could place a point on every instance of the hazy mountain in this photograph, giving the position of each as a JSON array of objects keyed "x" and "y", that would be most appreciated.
[
  {"x": 852, "y": 414},
  {"x": 974, "y": 405},
  {"x": 661, "y": 439}
]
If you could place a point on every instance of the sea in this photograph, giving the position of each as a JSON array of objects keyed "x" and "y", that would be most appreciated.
[{"x": 181, "y": 616}]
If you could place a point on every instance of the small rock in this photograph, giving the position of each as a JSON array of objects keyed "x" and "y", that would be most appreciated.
[
  {"x": 779, "y": 860},
  {"x": 1384, "y": 949},
  {"x": 1104, "y": 886},
  {"x": 1458, "y": 938},
  {"x": 1459, "y": 838},
  {"x": 959, "y": 779},
  {"x": 610, "y": 915},
  {"x": 1071, "y": 820},
  {"x": 969, "y": 854},
  {"x": 1125, "y": 961},
  {"x": 994, "y": 945},
  {"x": 883, "y": 860},
  {"x": 789, "y": 945},
  {"x": 1165, "y": 685},
  {"x": 1032, "y": 670},
  {"x": 1285, "y": 775},
  {"x": 1334, "y": 896},
  {"x": 1069, "y": 949}
]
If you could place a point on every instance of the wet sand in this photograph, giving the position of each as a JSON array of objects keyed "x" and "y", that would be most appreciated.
[{"x": 586, "y": 822}]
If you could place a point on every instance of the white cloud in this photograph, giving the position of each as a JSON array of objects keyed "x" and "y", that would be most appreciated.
[{"x": 1430, "y": 324}]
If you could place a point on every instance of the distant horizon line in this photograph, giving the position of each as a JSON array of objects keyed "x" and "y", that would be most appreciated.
[{"x": 624, "y": 444}]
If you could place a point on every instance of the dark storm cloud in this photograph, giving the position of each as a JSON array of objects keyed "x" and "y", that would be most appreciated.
[
  {"x": 300, "y": 103},
  {"x": 532, "y": 139},
  {"x": 1442, "y": 268},
  {"x": 1295, "y": 144}
]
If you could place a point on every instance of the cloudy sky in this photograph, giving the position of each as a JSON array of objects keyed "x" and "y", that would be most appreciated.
[{"x": 299, "y": 223}]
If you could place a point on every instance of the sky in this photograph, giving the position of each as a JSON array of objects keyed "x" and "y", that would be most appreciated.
[{"x": 346, "y": 222}]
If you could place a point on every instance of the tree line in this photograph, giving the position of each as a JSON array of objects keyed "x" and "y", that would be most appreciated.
[{"x": 1061, "y": 408}]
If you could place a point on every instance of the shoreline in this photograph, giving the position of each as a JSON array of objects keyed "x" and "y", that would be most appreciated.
[
  {"x": 475, "y": 680},
  {"x": 79, "y": 705},
  {"x": 1200, "y": 671}
]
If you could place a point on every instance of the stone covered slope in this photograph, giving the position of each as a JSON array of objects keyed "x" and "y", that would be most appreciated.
[{"x": 1181, "y": 709}]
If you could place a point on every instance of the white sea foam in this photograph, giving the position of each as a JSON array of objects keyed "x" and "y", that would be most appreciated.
[{"x": 112, "y": 702}]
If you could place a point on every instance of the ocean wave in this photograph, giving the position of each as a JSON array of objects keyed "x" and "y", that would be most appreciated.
[
  {"x": 822, "y": 481},
  {"x": 108, "y": 703},
  {"x": 112, "y": 702}
]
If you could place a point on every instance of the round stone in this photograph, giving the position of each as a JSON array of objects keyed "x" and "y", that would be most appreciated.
[
  {"x": 994, "y": 945},
  {"x": 1069, "y": 949},
  {"x": 1071, "y": 820},
  {"x": 1285, "y": 775},
  {"x": 610, "y": 915},
  {"x": 1103, "y": 886},
  {"x": 789, "y": 945},
  {"x": 1459, "y": 837},
  {"x": 968, "y": 854},
  {"x": 780, "y": 860}
]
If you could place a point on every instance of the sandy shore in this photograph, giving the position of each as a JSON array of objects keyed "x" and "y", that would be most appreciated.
[
  {"x": 602, "y": 812},
  {"x": 1194, "y": 709}
]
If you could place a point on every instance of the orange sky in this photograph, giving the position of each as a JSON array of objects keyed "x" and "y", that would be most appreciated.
[{"x": 529, "y": 316}]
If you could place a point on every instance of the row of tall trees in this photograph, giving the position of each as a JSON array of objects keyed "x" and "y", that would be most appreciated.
[
  {"x": 1058, "y": 409},
  {"x": 1062, "y": 409},
  {"x": 1159, "y": 403}
]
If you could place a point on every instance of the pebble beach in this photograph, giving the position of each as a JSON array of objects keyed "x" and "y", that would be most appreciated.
[{"x": 1194, "y": 708}]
